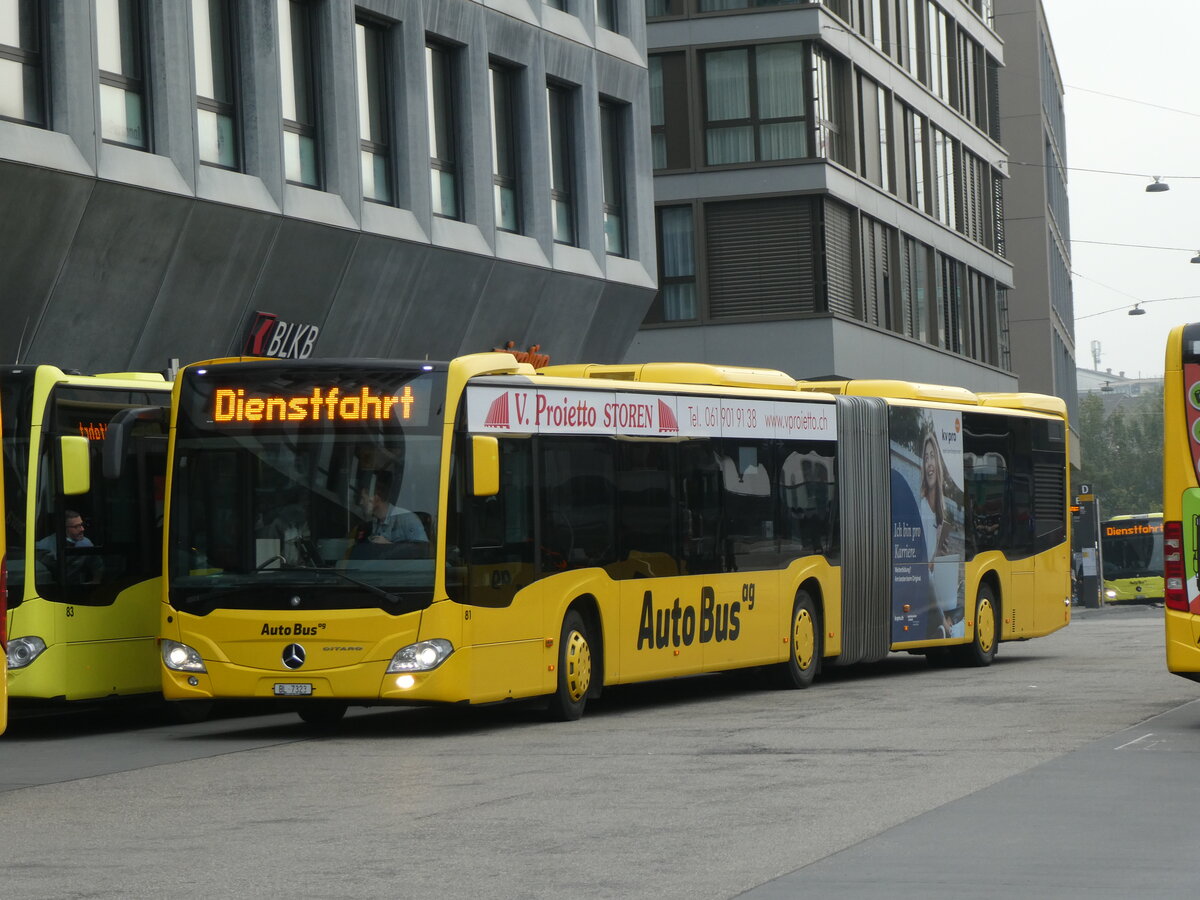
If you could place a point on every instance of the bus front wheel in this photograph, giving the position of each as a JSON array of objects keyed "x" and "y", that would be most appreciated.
[
  {"x": 321, "y": 715},
  {"x": 574, "y": 669},
  {"x": 982, "y": 649},
  {"x": 804, "y": 643}
]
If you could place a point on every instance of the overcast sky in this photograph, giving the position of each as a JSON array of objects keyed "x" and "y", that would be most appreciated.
[{"x": 1146, "y": 52}]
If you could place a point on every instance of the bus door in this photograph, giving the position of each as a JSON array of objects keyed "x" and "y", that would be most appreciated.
[
  {"x": 490, "y": 569},
  {"x": 99, "y": 545}
]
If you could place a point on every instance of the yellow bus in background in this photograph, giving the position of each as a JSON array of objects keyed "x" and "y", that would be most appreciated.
[
  {"x": 1131, "y": 554},
  {"x": 1181, "y": 500},
  {"x": 84, "y": 547},
  {"x": 362, "y": 532}
]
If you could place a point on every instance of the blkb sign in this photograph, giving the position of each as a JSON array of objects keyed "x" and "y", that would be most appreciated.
[{"x": 268, "y": 335}]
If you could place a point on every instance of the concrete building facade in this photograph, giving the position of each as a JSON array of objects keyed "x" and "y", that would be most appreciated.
[
  {"x": 394, "y": 178},
  {"x": 1037, "y": 213},
  {"x": 829, "y": 188}
]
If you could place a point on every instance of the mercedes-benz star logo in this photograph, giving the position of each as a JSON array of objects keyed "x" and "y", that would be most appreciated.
[{"x": 293, "y": 656}]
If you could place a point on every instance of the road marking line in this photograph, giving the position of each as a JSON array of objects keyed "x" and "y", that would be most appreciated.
[{"x": 1135, "y": 740}]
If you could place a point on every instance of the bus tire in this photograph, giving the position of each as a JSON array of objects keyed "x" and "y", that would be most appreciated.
[
  {"x": 574, "y": 669},
  {"x": 322, "y": 714},
  {"x": 804, "y": 644},
  {"x": 188, "y": 712},
  {"x": 982, "y": 648}
]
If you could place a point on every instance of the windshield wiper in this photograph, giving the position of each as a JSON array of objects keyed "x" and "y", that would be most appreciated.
[{"x": 295, "y": 567}]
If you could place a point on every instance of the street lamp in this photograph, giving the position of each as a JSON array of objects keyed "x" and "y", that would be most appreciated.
[{"x": 1157, "y": 186}]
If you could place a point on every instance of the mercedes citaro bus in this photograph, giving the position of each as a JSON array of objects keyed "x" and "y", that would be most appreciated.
[{"x": 363, "y": 532}]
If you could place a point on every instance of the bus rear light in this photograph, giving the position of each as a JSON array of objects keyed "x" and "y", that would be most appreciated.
[{"x": 1174, "y": 576}]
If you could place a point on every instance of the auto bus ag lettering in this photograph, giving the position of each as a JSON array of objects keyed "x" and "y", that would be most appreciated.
[
  {"x": 682, "y": 624},
  {"x": 297, "y": 630}
]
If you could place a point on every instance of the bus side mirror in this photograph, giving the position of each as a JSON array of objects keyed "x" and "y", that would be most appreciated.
[
  {"x": 485, "y": 465},
  {"x": 76, "y": 465},
  {"x": 116, "y": 436}
]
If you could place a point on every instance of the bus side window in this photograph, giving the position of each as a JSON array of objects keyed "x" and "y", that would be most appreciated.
[
  {"x": 749, "y": 500},
  {"x": 578, "y": 503},
  {"x": 700, "y": 508},
  {"x": 647, "y": 510}
]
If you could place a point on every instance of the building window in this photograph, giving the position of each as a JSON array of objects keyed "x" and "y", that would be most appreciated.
[
  {"x": 759, "y": 257},
  {"x": 606, "y": 14},
  {"x": 912, "y": 180},
  {"x": 829, "y": 107},
  {"x": 875, "y": 125},
  {"x": 22, "y": 90},
  {"x": 970, "y": 64},
  {"x": 754, "y": 104},
  {"x": 876, "y": 241},
  {"x": 297, "y": 64},
  {"x": 914, "y": 289},
  {"x": 726, "y": 5},
  {"x": 937, "y": 51},
  {"x": 443, "y": 150},
  {"x": 216, "y": 114},
  {"x": 123, "y": 118},
  {"x": 374, "y": 132},
  {"x": 559, "y": 102},
  {"x": 505, "y": 184},
  {"x": 950, "y": 277},
  {"x": 945, "y": 179},
  {"x": 676, "y": 264},
  {"x": 669, "y": 111},
  {"x": 659, "y": 9},
  {"x": 612, "y": 148}
]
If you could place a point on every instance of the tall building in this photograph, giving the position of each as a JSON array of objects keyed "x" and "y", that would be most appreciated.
[
  {"x": 318, "y": 177},
  {"x": 1038, "y": 223},
  {"x": 829, "y": 186}
]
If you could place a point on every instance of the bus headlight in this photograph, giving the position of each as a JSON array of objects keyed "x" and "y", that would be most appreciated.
[
  {"x": 181, "y": 657},
  {"x": 420, "y": 657},
  {"x": 1110, "y": 594},
  {"x": 24, "y": 650}
]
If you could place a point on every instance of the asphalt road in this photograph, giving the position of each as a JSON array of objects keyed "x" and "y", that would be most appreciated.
[{"x": 1046, "y": 774}]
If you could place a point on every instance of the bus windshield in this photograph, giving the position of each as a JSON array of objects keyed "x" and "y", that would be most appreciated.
[
  {"x": 1132, "y": 548},
  {"x": 301, "y": 486}
]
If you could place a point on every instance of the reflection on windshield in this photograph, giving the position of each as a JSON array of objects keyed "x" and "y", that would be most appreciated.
[{"x": 276, "y": 509}]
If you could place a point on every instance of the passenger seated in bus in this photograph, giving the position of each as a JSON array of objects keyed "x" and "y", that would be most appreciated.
[
  {"x": 386, "y": 525},
  {"x": 287, "y": 529}
]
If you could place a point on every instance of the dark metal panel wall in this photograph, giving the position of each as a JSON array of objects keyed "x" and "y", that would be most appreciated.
[
  {"x": 112, "y": 275},
  {"x": 33, "y": 246},
  {"x": 122, "y": 277},
  {"x": 198, "y": 312}
]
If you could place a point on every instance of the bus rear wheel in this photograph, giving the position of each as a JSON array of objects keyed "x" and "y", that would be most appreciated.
[
  {"x": 574, "y": 669},
  {"x": 982, "y": 649},
  {"x": 804, "y": 642}
]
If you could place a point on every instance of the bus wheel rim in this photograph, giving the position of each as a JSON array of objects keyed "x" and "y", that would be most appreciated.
[
  {"x": 985, "y": 626},
  {"x": 804, "y": 640},
  {"x": 578, "y": 666}
]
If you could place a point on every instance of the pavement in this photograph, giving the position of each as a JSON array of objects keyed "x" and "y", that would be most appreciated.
[{"x": 1113, "y": 819}]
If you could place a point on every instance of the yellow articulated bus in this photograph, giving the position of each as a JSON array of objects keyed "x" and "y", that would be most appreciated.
[
  {"x": 1131, "y": 554},
  {"x": 84, "y": 546},
  {"x": 1181, "y": 500},
  {"x": 362, "y": 532}
]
